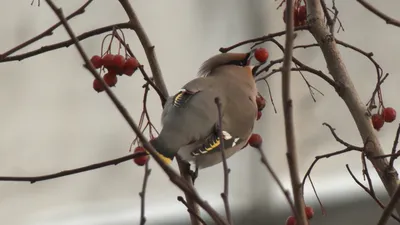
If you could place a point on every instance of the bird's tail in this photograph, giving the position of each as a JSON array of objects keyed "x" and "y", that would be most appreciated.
[{"x": 164, "y": 154}]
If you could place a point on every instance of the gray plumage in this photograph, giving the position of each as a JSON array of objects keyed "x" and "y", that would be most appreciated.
[{"x": 189, "y": 122}]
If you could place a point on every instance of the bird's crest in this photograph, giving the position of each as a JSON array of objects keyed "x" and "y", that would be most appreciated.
[{"x": 238, "y": 59}]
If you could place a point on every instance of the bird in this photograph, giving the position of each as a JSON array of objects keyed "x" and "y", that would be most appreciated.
[{"x": 190, "y": 121}]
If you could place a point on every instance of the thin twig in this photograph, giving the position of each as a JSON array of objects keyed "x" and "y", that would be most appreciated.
[
  {"x": 379, "y": 13},
  {"x": 47, "y": 32},
  {"x": 395, "y": 143},
  {"x": 369, "y": 192},
  {"x": 142, "y": 194},
  {"x": 288, "y": 115},
  {"x": 34, "y": 179},
  {"x": 190, "y": 210},
  {"x": 387, "y": 212},
  {"x": 285, "y": 192},
  {"x": 147, "y": 46},
  {"x": 224, "y": 195},
  {"x": 145, "y": 76},
  {"x": 260, "y": 39},
  {"x": 65, "y": 44},
  {"x": 174, "y": 177}
]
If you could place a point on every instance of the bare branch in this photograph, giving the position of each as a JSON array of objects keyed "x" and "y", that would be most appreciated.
[
  {"x": 64, "y": 173},
  {"x": 395, "y": 143},
  {"x": 64, "y": 44},
  {"x": 224, "y": 194},
  {"x": 260, "y": 39},
  {"x": 349, "y": 94},
  {"x": 372, "y": 194},
  {"x": 387, "y": 212},
  {"x": 47, "y": 32},
  {"x": 380, "y": 14},
  {"x": 191, "y": 211},
  {"x": 147, "y": 46},
  {"x": 288, "y": 115},
  {"x": 285, "y": 192},
  {"x": 142, "y": 194}
]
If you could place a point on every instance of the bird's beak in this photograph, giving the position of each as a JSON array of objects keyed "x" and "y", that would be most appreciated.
[{"x": 254, "y": 70}]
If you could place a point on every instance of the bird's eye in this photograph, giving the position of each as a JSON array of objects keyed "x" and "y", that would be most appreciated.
[{"x": 238, "y": 62}]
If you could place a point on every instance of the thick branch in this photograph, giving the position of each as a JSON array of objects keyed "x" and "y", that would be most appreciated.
[
  {"x": 350, "y": 96},
  {"x": 288, "y": 115}
]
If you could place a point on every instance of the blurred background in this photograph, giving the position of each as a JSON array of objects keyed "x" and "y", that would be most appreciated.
[{"x": 52, "y": 120}]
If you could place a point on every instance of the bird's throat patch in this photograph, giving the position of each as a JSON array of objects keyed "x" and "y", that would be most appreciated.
[{"x": 182, "y": 97}]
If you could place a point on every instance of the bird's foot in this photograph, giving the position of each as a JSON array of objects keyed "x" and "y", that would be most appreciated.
[{"x": 194, "y": 174}]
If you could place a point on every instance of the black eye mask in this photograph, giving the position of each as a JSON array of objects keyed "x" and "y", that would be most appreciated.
[{"x": 242, "y": 62}]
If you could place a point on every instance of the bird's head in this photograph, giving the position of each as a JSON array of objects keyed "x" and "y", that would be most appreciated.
[{"x": 223, "y": 59}]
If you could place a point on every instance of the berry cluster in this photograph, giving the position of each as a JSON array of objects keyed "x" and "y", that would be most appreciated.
[
  {"x": 115, "y": 65},
  {"x": 291, "y": 220},
  {"x": 387, "y": 115},
  {"x": 299, "y": 15}
]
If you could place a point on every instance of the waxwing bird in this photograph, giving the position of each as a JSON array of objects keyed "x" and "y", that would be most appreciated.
[{"x": 190, "y": 117}]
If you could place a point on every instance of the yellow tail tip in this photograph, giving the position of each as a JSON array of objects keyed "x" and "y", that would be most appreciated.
[{"x": 166, "y": 160}]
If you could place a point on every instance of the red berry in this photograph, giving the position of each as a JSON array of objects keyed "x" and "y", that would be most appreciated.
[
  {"x": 309, "y": 212},
  {"x": 119, "y": 61},
  {"x": 98, "y": 86},
  {"x": 96, "y": 61},
  {"x": 108, "y": 60},
  {"x": 110, "y": 78},
  {"x": 140, "y": 161},
  {"x": 294, "y": 15},
  {"x": 255, "y": 140},
  {"x": 389, "y": 114},
  {"x": 259, "y": 114},
  {"x": 131, "y": 64},
  {"x": 260, "y": 100},
  {"x": 291, "y": 220},
  {"x": 261, "y": 54},
  {"x": 377, "y": 121},
  {"x": 302, "y": 13}
]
